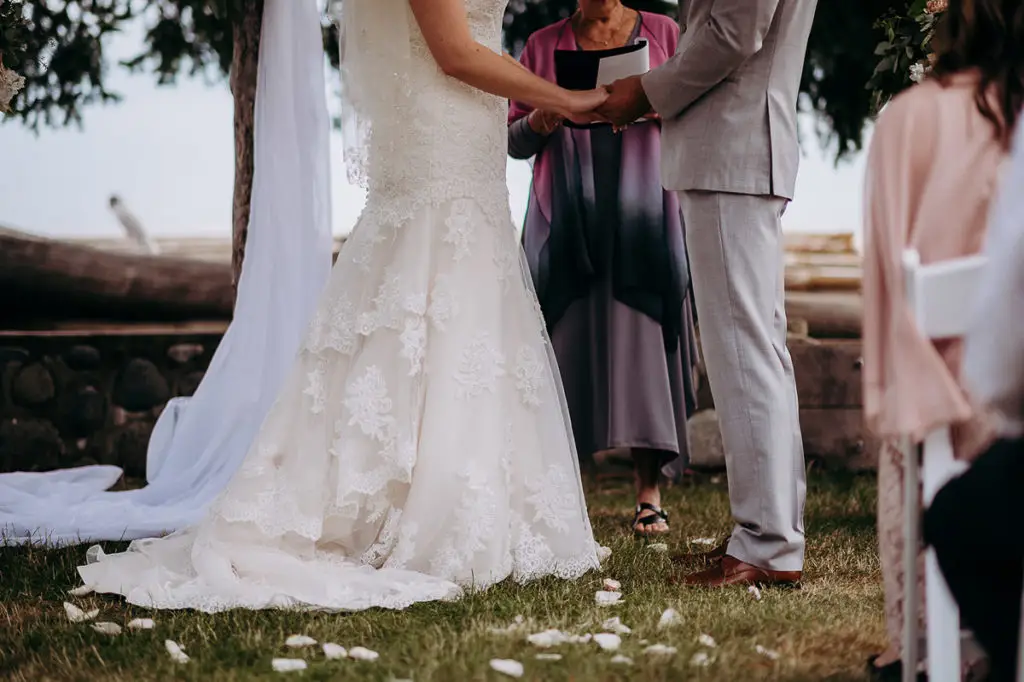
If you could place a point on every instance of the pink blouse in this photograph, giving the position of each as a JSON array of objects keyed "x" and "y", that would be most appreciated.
[{"x": 933, "y": 168}]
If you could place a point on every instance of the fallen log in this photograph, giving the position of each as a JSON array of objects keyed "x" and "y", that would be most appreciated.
[{"x": 42, "y": 280}]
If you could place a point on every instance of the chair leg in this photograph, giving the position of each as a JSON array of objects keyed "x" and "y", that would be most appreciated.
[
  {"x": 911, "y": 545},
  {"x": 943, "y": 627}
]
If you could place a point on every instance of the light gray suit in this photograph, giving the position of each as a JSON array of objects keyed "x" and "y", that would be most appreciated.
[{"x": 729, "y": 147}]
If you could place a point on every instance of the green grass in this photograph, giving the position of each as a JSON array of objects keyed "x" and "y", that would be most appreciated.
[{"x": 823, "y": 631}]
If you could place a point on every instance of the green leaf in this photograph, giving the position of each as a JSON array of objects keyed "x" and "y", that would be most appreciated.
[{"x": 883, "y": 47}]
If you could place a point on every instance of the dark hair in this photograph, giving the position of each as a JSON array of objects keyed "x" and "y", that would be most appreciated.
[{"x": 986, "y": 36}]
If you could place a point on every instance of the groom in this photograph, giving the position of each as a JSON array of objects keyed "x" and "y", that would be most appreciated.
[{"x": 727, "y": 101}]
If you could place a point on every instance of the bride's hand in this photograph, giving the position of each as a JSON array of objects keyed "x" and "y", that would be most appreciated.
[{"x": 580, "y": 105}]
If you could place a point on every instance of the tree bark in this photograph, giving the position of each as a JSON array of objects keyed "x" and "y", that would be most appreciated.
[
  {"x": 46, "y": 281},
  {"x": 246, "y": 24}
]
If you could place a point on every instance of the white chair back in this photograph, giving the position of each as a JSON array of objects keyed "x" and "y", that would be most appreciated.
[{"x": 941, "y": 297}]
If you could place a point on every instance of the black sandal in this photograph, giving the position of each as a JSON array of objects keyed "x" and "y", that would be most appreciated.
[{"x": 659, "y": 516}]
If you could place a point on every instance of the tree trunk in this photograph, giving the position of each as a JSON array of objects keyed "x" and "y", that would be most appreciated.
[
  {"x": 246, "y": 24},
  {"x": 46, "y": 281}
]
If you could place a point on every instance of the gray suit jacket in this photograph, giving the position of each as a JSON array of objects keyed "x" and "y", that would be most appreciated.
[{"x": 728, "y": 96}]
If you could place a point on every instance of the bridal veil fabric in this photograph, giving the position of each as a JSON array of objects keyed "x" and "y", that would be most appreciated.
[{"x": 199, "y": 443}]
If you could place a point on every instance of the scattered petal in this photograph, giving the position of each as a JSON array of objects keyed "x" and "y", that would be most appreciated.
[
  {"x": 548, "y": 657},
  {"x": 77, "y": 615},
  {"x": 299, "y": 641},
  {"x": 334, "y": 651},
  {"x": 80, "y": 591},
  {"x": 178, "y": 654},
  {"x": 507, "y": 667},
  {"x": 362, "y": 654},
  {"x": 288, "y": 665},
  {"x": 141, "y": 624},
  {"x": 756, "y": 591},
  {"x": 107, "y": 628},
  {"x": 516, "y": 626},
  {"x": 604, "y": 598},
  {"x": 715, "y": 480},
  {"x": 603, "y": 553},
  {"x": 612, "y": 585},
  {"x": 607, "y": 641},
  {"x": 707, "y": 640},
  {"x": 703, "y": 541},
  {"x": 615, "y": 625},
  {"x": 547, "y": 639},
  {"x": 700, "y": 660},
  {"x": 658, "y": 547},
  {"x": 619, "y": 659},
  {"x": 644, "y": 642},
  {"x": 660, "y": 650},
  {"x": 670, "y": 618},
  {"x": 767, "y": 653}
]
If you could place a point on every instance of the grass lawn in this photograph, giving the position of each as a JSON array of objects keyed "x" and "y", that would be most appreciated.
[{"x": 822, "y": 632}]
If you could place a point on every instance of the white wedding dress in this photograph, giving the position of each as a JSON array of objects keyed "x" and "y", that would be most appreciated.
[{"x": 421, "y": 443}]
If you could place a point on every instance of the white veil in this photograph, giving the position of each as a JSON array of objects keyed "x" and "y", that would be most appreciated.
[{"x": 200, "y": 442}]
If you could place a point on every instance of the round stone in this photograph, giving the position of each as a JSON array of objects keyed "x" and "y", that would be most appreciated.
[
  {"x": 184, "y": 352},
  {"x": 81, "y": 413},
  {"x": 130, "y": 446},
  {"x": 141, "y": 387},
  {"x": 12, "y": 354},
  {"x": 82, "y": 358},
  {"x": 188, "y": 384},
  {"x": 30, "y": 445},
  {"x": 33, "y": 386}
]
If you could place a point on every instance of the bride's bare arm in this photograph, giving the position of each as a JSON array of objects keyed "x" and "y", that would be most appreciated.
[{"x": 446, "y": 30}]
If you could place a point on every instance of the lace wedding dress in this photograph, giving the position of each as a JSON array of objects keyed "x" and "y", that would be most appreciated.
[{"x": 421, "y": 442}]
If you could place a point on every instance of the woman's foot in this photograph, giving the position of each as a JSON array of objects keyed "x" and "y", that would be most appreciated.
[{"x": 650, "y": 518}]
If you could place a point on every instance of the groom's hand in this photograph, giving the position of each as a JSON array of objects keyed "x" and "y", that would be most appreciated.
[{"x": 626, "y": 103}]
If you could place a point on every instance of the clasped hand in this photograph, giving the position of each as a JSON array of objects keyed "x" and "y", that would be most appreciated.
[{"x": 624, "y": 102}]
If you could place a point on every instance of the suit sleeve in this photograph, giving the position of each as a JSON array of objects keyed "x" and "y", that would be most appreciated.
[{"x": 733, "y": 33}]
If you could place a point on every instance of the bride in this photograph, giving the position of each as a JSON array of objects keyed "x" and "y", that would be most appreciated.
[{"x": 420, "y": 443}]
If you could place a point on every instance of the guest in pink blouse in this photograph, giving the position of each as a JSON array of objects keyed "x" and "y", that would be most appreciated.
[{"x": 932, "y": 170}]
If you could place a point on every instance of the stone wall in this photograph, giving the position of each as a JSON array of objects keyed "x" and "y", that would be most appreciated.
[{"x": 74, "y": 398}]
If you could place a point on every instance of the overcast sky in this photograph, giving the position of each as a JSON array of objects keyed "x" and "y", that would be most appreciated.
[{"x": 168, "y": 153}]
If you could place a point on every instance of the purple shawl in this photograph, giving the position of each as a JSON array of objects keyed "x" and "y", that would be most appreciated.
[{"x": 649, "y": 272}]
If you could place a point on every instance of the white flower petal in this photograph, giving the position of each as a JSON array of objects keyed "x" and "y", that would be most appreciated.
[
  {"x": 767, "y": 653},
  {"x": 363, "y": 654},
  {"x": 756, "y": 591},
  {"x": 603, "y": 553},
  {"x": 507, "y": 667},
  {"x": 107, "y": 628},
  {"x": 612, "y": 585},
  {"x": 615, "y": 625},
  {"x": 77, "y": 615},
  {"x": 287, "y": 665},
  {"x": 658, "y": 547},
  {"x": 547, "y": 639},
  {"x": 660, "y": 650},
  {"x": 334, "y": 651},
  {"x": 603, "y": 598},
  {"x": 80, "y": 591},
  {"x": 141, "y": 624},
  {"x": 607, "y": 641},
  {"x": 702, "y": 541},
  {"x": 177, "y": 654},
  {"x": 514, "y": 627},
  {"x": 707, "y": 640},
  {"x": 700, "y": 660},
  {"x": 619, "y": 659},
  {"x": 548, "y": 657},
  {"x": 299, "y": 641},
  {"x": 670, "y": 618}
]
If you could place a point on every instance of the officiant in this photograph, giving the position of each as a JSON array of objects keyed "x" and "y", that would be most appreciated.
[{"x": 606, "y": 251}]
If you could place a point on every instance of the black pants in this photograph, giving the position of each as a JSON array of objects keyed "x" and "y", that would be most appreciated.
[{"x": 975, "y": 526}]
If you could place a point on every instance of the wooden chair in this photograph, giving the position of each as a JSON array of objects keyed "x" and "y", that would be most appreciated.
[{"x": 941, "y": 297}]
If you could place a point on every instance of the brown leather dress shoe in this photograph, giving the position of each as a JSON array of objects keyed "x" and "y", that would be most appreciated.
[{"x": 731, "y": 571}]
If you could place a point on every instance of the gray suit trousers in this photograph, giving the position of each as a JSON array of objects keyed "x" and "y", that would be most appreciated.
[{"x": 736, "y": 264}]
